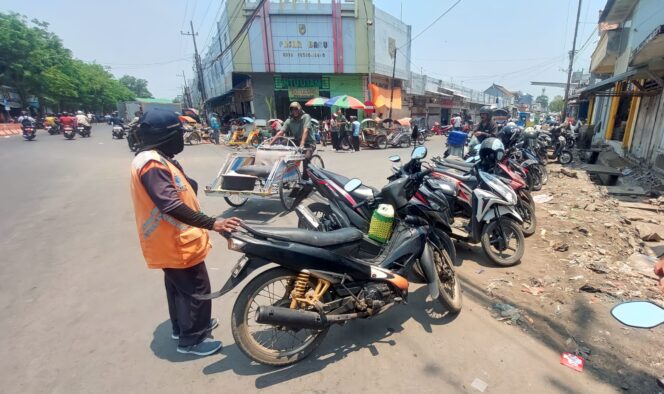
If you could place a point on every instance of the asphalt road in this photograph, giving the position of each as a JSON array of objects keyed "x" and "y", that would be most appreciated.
[{"x": 82, "y": 314}]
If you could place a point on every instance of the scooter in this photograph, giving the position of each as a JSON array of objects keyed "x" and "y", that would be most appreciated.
[
  {"x": 118, "y": 132},
  {"x": 318, "y": 283},
  {"x": 83, "y": 131},
  {"x": 29, "y": 132},
  {"x": 69, "y": 132}
]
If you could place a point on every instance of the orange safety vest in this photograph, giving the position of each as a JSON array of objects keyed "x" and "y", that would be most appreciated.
[{"x": 166, "y": 242}]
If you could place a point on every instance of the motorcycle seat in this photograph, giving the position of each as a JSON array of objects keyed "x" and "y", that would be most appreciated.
[
  {"x": 468, "y": 179},
  {"x": 362, "y": 193},
  {"x": 457, "y": 164},
  {"x": 307, "y": 237},
  {"x": 259, "y": 171}
]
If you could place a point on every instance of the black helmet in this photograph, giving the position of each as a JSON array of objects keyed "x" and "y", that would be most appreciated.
[
  {"x": 486, "y": 110},
  {"x": 492, "y": 151},
  {"x": 156, "y": 127},
  {"x": 509, "y": 135}
]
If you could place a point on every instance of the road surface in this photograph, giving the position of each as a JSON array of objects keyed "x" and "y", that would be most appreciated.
[{"x": 82, "y": 314}]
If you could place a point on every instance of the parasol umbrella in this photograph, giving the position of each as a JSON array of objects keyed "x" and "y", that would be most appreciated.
[
  {"x": 345, "y": 101},
  {"x": 186, "y": 119},
  {"x": 404, "y": 122},
  {"x": 316, "y": 102}
]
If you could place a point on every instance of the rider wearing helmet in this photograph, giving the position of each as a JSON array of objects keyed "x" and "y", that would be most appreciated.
[
  {"x": 82, "y": 119},
  {"x": 486, "y": 128},
  {"x": 491, "y": 152},
  {"x": 173, "y": 231},
  {"x": 298, "y": 126}
]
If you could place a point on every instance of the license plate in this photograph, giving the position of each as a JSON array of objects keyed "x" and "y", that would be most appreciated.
[{"x": 239, "y": 266}]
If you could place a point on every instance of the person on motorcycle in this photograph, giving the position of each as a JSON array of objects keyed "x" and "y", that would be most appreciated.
[
  {"x": 172, "y": 230},
  {"x": 115, "y": 120},
  {"x": 82, "y": 120},
  {"x": 298, "y": 126},
  {"x": 67, "y": 120},
  {"x": 50, "y": 120},
  {"x": 26, "y": 120},
  {"x": 486, "y": 128}
]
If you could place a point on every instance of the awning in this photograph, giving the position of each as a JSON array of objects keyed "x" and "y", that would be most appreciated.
[
  {"x": 607, "y": 83},
  {"x": 459, "y": 94},
  {"x": 438, "y": 93},
  {"x": 652, "y": 47}
]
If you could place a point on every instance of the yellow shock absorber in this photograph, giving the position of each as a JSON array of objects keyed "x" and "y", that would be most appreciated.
[{"x": 300, "y": 288}]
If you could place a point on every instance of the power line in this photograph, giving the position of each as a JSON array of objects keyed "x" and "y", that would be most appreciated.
[{"x": 432, "y": 23}]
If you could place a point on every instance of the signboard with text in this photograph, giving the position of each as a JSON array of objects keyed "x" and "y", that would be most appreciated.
[{"x": 302, "y": 43}]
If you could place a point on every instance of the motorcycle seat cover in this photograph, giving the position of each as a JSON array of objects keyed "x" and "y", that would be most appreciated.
[
  {"x": 362, "y": 193},
  {"x": 307, "y": 237},
  {"x": 457, "y": 164},
  {"x": 469, "y": 180},
  {"x": 258, "y": 171}
]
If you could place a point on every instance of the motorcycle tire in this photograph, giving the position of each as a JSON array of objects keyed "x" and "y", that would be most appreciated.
[
  {"x": 194, "y": 139},
  {"x": 420, "y": 139},
  {"x": 404, "y": 142},
  {"x": 242, "y": 317},
  {"x": 449, "y": 285},
  {"x": 236, "y": 203},
  {"x": 487, "y": 242},
  {"x": 285, "y": 188},
  {"x": 565, "y": 157},
  {"x": 344, "y": 144},
  {"x": 544, "y": 174},
  {"x": 536, "y": 178},
  {"x": 525, "y": 195},
  {"x": 317, "y": 161},
  {"x": 381, "y": 142},
  {"x": 70, "y": 136},
  {"x": 527, "y": 212},
  {"x": 29, "y": 137}
]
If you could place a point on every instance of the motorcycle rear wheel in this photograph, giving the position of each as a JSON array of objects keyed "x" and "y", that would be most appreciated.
[
  {"x": 527, "y": 212},
  {"x": 491, "y": 237},
  {"x": 252, "y": 296},
  {"x": 565, "y": 157}
]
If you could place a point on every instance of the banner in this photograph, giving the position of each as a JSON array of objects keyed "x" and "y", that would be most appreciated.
[
  {"x": 303, "y": 93},
  {"x": 381, "y": 97}
]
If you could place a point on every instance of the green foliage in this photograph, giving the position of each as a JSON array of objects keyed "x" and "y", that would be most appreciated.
[
  {"x": 137, "y": 85},
  {"x": 34, "y": 62},
  {"x": 556, "y": 104}
]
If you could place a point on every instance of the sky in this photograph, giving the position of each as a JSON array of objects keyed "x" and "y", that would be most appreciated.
[{"x": 479, "y": 42}]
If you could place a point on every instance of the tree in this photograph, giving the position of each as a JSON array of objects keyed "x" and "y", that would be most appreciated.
[
  {"x": 543, "y": 101},
  {"x": 137, "y": 85},
  {"x": 557, "y": 104}
]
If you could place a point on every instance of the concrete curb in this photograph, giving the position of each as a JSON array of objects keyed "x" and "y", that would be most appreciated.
[{"x": 10, "y": 129}]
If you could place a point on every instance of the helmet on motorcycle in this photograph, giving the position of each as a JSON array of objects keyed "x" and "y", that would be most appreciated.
[
  {"x": 157, "y": 128},
  {"x": 492, "y": 151},
  {"x": 509, "y": 134}
]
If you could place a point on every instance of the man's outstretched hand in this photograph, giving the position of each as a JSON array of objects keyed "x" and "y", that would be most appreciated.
[{"x": 226, "y": 225}]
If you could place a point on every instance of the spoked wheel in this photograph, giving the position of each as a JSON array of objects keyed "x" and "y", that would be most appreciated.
[
  {"x": 450, "y": 287},
  {"x": 317, "y": 161},
  {"x": 264, "y": 343},
  {"x": 322, "y": 213},
  {"x": 404, "y": 142},
  {"x": 236, "y": 200},
  {"x": 286, "y": 186},
  {"x": 381, "y": 142},
  {"x": 344, "y": 143},
  {"x": 194, "y": 139},
  {"x": 503, "y": 242},
  {"x": 420, "y": 139}
]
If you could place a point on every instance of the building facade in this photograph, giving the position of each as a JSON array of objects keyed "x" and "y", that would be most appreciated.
[{"x": 626, "y": 107}]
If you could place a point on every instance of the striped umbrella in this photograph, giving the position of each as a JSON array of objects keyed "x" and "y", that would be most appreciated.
[
  {"x": 316, "y": 102},
  {"x": 344, "y": 101}
]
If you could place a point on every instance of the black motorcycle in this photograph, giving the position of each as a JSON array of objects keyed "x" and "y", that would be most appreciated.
[
  {"x": 284, "y": 313},
  {"x": 83, "y": 131},
  {"x": 29, "y": 131},
  {"x": 118, "y": 132}
]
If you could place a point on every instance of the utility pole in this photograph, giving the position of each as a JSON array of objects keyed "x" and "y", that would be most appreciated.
[
  {"x": 394, "y": 68},
  {"x": 571, "y": 63},
  {"x": 187, "y": 95},
  {"x": 199, "y": 68}
]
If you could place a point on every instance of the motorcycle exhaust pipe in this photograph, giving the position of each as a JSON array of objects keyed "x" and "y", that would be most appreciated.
[{"x": 297, "y": 318}]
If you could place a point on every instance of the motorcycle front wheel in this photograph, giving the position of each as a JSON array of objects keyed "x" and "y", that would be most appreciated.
[
  {"x": 449, "y": 285},
  {"x": 565, "y": 157},
  {"x": 527, "y": 212},
  {"x": 503, "y": 242},
  {"x": 264, "y": 343}
]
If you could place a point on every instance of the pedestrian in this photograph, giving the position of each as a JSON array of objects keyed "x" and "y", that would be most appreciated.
[
  {"x": 216, "y": 128},
  {"x": 355, "y": 127},
  {"x": 173, "y": 231},
  {"x": 342, "y": 123},
  {"x": 334, "y": 132},
  {"x": 457, "y": 122}
]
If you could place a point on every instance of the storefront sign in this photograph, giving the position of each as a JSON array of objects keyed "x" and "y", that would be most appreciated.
[
  {"x": 302, "y": 43},
  {"x": 303, "y": 93},
  {"x": 285, "y": 83}
]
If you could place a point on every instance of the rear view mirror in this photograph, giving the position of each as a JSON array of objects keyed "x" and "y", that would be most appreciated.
[
  {"x": 639, "y": 314},
  {"x": 394, "y": 159},
  {"x": 352, "y": 185},
  {"x": 419, "y": 153}
]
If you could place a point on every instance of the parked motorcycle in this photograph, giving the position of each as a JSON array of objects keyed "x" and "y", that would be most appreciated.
[
  {"x": 118, "y": 132},
  {"x": 318, "y": 283}
]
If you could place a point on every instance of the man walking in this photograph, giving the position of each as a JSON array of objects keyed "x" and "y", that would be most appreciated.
[
  {"x": 342, "y": 124},
  {"x": 216, "y": 128},
  {"x": 355, "y": 127},
  {"x": 173, "y": 231}
]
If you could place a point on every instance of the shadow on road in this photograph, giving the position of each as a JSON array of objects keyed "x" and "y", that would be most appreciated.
[
  {"x": 614, "y": 367},
  {"x": 164, "y": 347},
  {"x": 340, "y": 342}
]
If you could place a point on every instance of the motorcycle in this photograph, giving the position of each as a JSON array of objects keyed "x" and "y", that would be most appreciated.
[
  {"x": 490, "y": 208},
  {"x": 53, "y": 130},
  {"x": 132, "y": 139},
  {"x": 83, "y": 131},
  {"x": 118, "y": 132},
  {"x": 318, "y": 283},
  {"x": 69, "y": 132},
  {"x": 29, "y": 132}
]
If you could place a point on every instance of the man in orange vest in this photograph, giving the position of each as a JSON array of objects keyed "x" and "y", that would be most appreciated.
[{"x": 173, "y": 230}]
